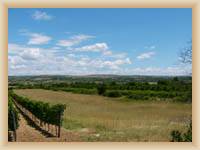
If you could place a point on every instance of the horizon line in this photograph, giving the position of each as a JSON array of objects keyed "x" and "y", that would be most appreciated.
[{"x": 98, "y": 75}]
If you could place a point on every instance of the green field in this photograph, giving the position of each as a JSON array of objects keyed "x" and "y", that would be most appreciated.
[{"x": 112, "y": 119}]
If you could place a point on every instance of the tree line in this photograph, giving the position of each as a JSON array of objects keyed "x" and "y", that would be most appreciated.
[{"x": 174, "y": 88}]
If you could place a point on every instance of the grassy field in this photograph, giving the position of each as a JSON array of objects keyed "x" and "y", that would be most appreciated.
[{"x": 112, "y": 119}]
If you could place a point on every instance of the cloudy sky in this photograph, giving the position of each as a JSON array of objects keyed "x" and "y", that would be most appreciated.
[{"x": 98, "y": 41}]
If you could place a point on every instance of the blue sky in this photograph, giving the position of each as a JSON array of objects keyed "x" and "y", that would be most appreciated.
[{"x": 98, "y": 41}]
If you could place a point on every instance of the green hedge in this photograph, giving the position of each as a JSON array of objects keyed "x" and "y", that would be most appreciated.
[{"x": 148, "y": 94}]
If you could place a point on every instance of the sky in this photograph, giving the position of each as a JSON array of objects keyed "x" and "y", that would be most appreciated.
[{"x": 74, "y": 41}]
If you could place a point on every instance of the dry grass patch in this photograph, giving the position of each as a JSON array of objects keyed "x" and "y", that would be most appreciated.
[{"x": 114, "y": 120}]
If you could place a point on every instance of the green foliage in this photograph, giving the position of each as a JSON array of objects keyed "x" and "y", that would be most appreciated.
[
  {"x": 113, "y": 93},
  {"x": 42, "y": 110},
  {"x": 175, "y": 79},
  {"x": 13, "y": 116},
  {"x": 101, "y": 89},
  {"x": 177, "y": 136},
  {"x": 145, "y": 95},
  {"x": 188, "y": 135},
  {"x": 84, "y": 91},
  {"x": 177, "y": 89}
]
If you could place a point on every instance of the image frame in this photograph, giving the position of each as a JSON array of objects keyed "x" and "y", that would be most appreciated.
[{"x": 194, "y": 4}]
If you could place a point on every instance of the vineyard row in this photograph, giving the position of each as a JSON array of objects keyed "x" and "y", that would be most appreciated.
[{"x": 46, "y": 113}]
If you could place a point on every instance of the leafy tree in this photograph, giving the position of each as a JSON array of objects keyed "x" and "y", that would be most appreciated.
[
  {"x": 101, "y": 89},
  {"x": 175, "y": 79},
  {"x": 186, "y": 54},
  {"x": 113, "y": 93}
]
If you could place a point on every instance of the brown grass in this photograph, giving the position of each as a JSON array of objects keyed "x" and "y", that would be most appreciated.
[{"x": 115, "y": 120}]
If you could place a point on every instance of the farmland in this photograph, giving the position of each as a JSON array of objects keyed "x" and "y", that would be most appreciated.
[
  {"x": 116, "y": 119},
  {"x": 107, "y": 107},
  {"x": 99, "y": 75}
]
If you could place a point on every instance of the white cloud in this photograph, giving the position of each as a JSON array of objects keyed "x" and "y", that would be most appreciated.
[
  {"x": 100, "y": 47},
  {"x": 33, "y": 60},
  {"x": 16, "y": 62},
  {"x": 146, "y": 55},
  {"x": 173, "y": 70},
  {"x": 119, "y": 55},
  {"x": 31, "y": 53},
  {"x": 71, "y": 55},
  {"x": 115, "y": 64},
  {"x": 97, "y": 47},
  {"x": 74, "y": 40},
  {"x": 41, "y": 15},
  {"x": 14, "y": 67},
  {"x": 37, "y": 39},
  {"x": 14, "y": 48},
  {"x": 28, "y": 60},
  {"x": 56, "y": 48},
  {"x": 111, "y": 64},
  {"x": 107, "y": 52},
  {"x": 20, "y": 52}
]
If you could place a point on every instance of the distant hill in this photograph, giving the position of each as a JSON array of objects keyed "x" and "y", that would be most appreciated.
[{"x": 93, "y": 78}]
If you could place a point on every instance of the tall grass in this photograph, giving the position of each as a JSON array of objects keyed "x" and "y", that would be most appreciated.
[{"x": 116, "y": 120}]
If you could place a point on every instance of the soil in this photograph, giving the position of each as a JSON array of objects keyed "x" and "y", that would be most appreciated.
[{"x": 28, "y": 133}]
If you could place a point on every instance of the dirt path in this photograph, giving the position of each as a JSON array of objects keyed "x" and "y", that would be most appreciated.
[{"x": 27, "y": 133}]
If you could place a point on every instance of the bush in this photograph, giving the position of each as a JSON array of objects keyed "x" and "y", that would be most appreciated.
[
  {"x": 188, "y": 135},
  {"x": 177, "y": 136},
  {"x": 138, "y": 97},
  {"x": 85, "y": 91},
  {"x": 101, "y": 89},
  {"x": 113, "y": 93}
]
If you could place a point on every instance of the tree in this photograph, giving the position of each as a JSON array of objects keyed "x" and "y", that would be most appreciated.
[
  {"x": 175, "y": 79},
  {"x": 186, "y": 54},
  {"x": 101, "y": 89}
]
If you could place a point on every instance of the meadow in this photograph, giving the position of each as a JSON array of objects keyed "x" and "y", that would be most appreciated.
[{"x": 116, "y": 119}]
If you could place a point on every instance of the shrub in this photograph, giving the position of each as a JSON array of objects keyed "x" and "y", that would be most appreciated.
[
  {"x": 138, "y": 96},
  {"x": 113, "y": 93},
  {"x": 101, "y": 89},
  {"x": 188, "y": 135},
  {"x": 177, "y": 136}
]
